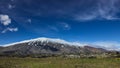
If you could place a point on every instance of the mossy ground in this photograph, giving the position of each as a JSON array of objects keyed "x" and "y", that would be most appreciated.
[{"x": 58, "y": 62}]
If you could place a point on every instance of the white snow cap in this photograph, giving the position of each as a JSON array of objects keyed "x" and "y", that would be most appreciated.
[
  {"x": 44, "y": 39},
  {"x": 104, "y": 45}
]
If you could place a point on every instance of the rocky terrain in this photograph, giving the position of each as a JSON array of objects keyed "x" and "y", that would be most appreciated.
[{"x": 42, "y": 47}]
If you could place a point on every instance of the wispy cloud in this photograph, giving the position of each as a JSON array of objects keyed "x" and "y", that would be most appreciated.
[
  {"x": 108, "y": 45},
  {"x": 80, "y": 10},
  {"x": 106, "y": 10},
  {"x": 10, "y": 6},
  {"x": 65, "y": 25},
  {"x": 59, "y": 26},
  {"x": 85, "y": 17},
  {"x": 9, "y": 29},
  {"x": 53, "y": 28},
  {"x": 29, "y": 20},
  {"x": 6, "y": 21}
]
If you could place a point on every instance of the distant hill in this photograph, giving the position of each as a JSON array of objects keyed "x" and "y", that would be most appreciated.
[{"x": 49, "y": 47}]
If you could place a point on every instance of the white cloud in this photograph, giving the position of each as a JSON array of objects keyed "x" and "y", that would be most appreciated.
[
  {"x": 11, "y": 6},
  {"x": 53, "y": 28},
  {"x": 29, "y": 20},
  {"x": 59, "y": 26},
  {"x": 85, "y": 17},
  {"x": 106, "y": 9},
  {"x": 9, "y": 29},
  {"x": 106, "y": 45},
  {"x": 65, "y": 26},
  {"x": 5, "y": 20}
]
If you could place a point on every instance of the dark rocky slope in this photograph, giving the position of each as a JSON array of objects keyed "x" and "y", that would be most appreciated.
[{"x": 47, "y": 47}]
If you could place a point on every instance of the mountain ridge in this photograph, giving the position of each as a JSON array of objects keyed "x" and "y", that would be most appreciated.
[
  {"x": 44, "y": 39},
  {"x": 43, "y": 47},
  {"x": 47, "y": 47}
]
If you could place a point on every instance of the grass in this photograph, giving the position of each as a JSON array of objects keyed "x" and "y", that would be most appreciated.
[{"x": 57, "y": 62}]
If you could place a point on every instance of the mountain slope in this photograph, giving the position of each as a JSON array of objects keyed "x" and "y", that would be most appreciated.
[{"x": 47, "y": 46}]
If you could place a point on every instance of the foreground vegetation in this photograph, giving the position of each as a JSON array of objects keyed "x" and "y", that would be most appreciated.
[{"x": 58, "y": 62}]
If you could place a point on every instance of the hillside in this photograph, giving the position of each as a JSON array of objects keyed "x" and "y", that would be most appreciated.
[{"x": 49, "y": 47}]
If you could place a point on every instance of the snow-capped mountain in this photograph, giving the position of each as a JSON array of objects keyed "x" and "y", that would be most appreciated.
[
  {"x": 43, "y": 39},
  {"x": 48, "y": 46}
]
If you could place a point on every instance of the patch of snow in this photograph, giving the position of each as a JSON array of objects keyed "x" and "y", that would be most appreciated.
[{"x": 46, "y": 40}]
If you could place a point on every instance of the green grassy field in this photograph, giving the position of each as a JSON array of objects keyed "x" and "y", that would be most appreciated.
[{"x": 59, "y": 63}]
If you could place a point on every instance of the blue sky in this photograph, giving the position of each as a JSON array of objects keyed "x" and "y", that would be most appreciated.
[{"x": 71, "y": 20}]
